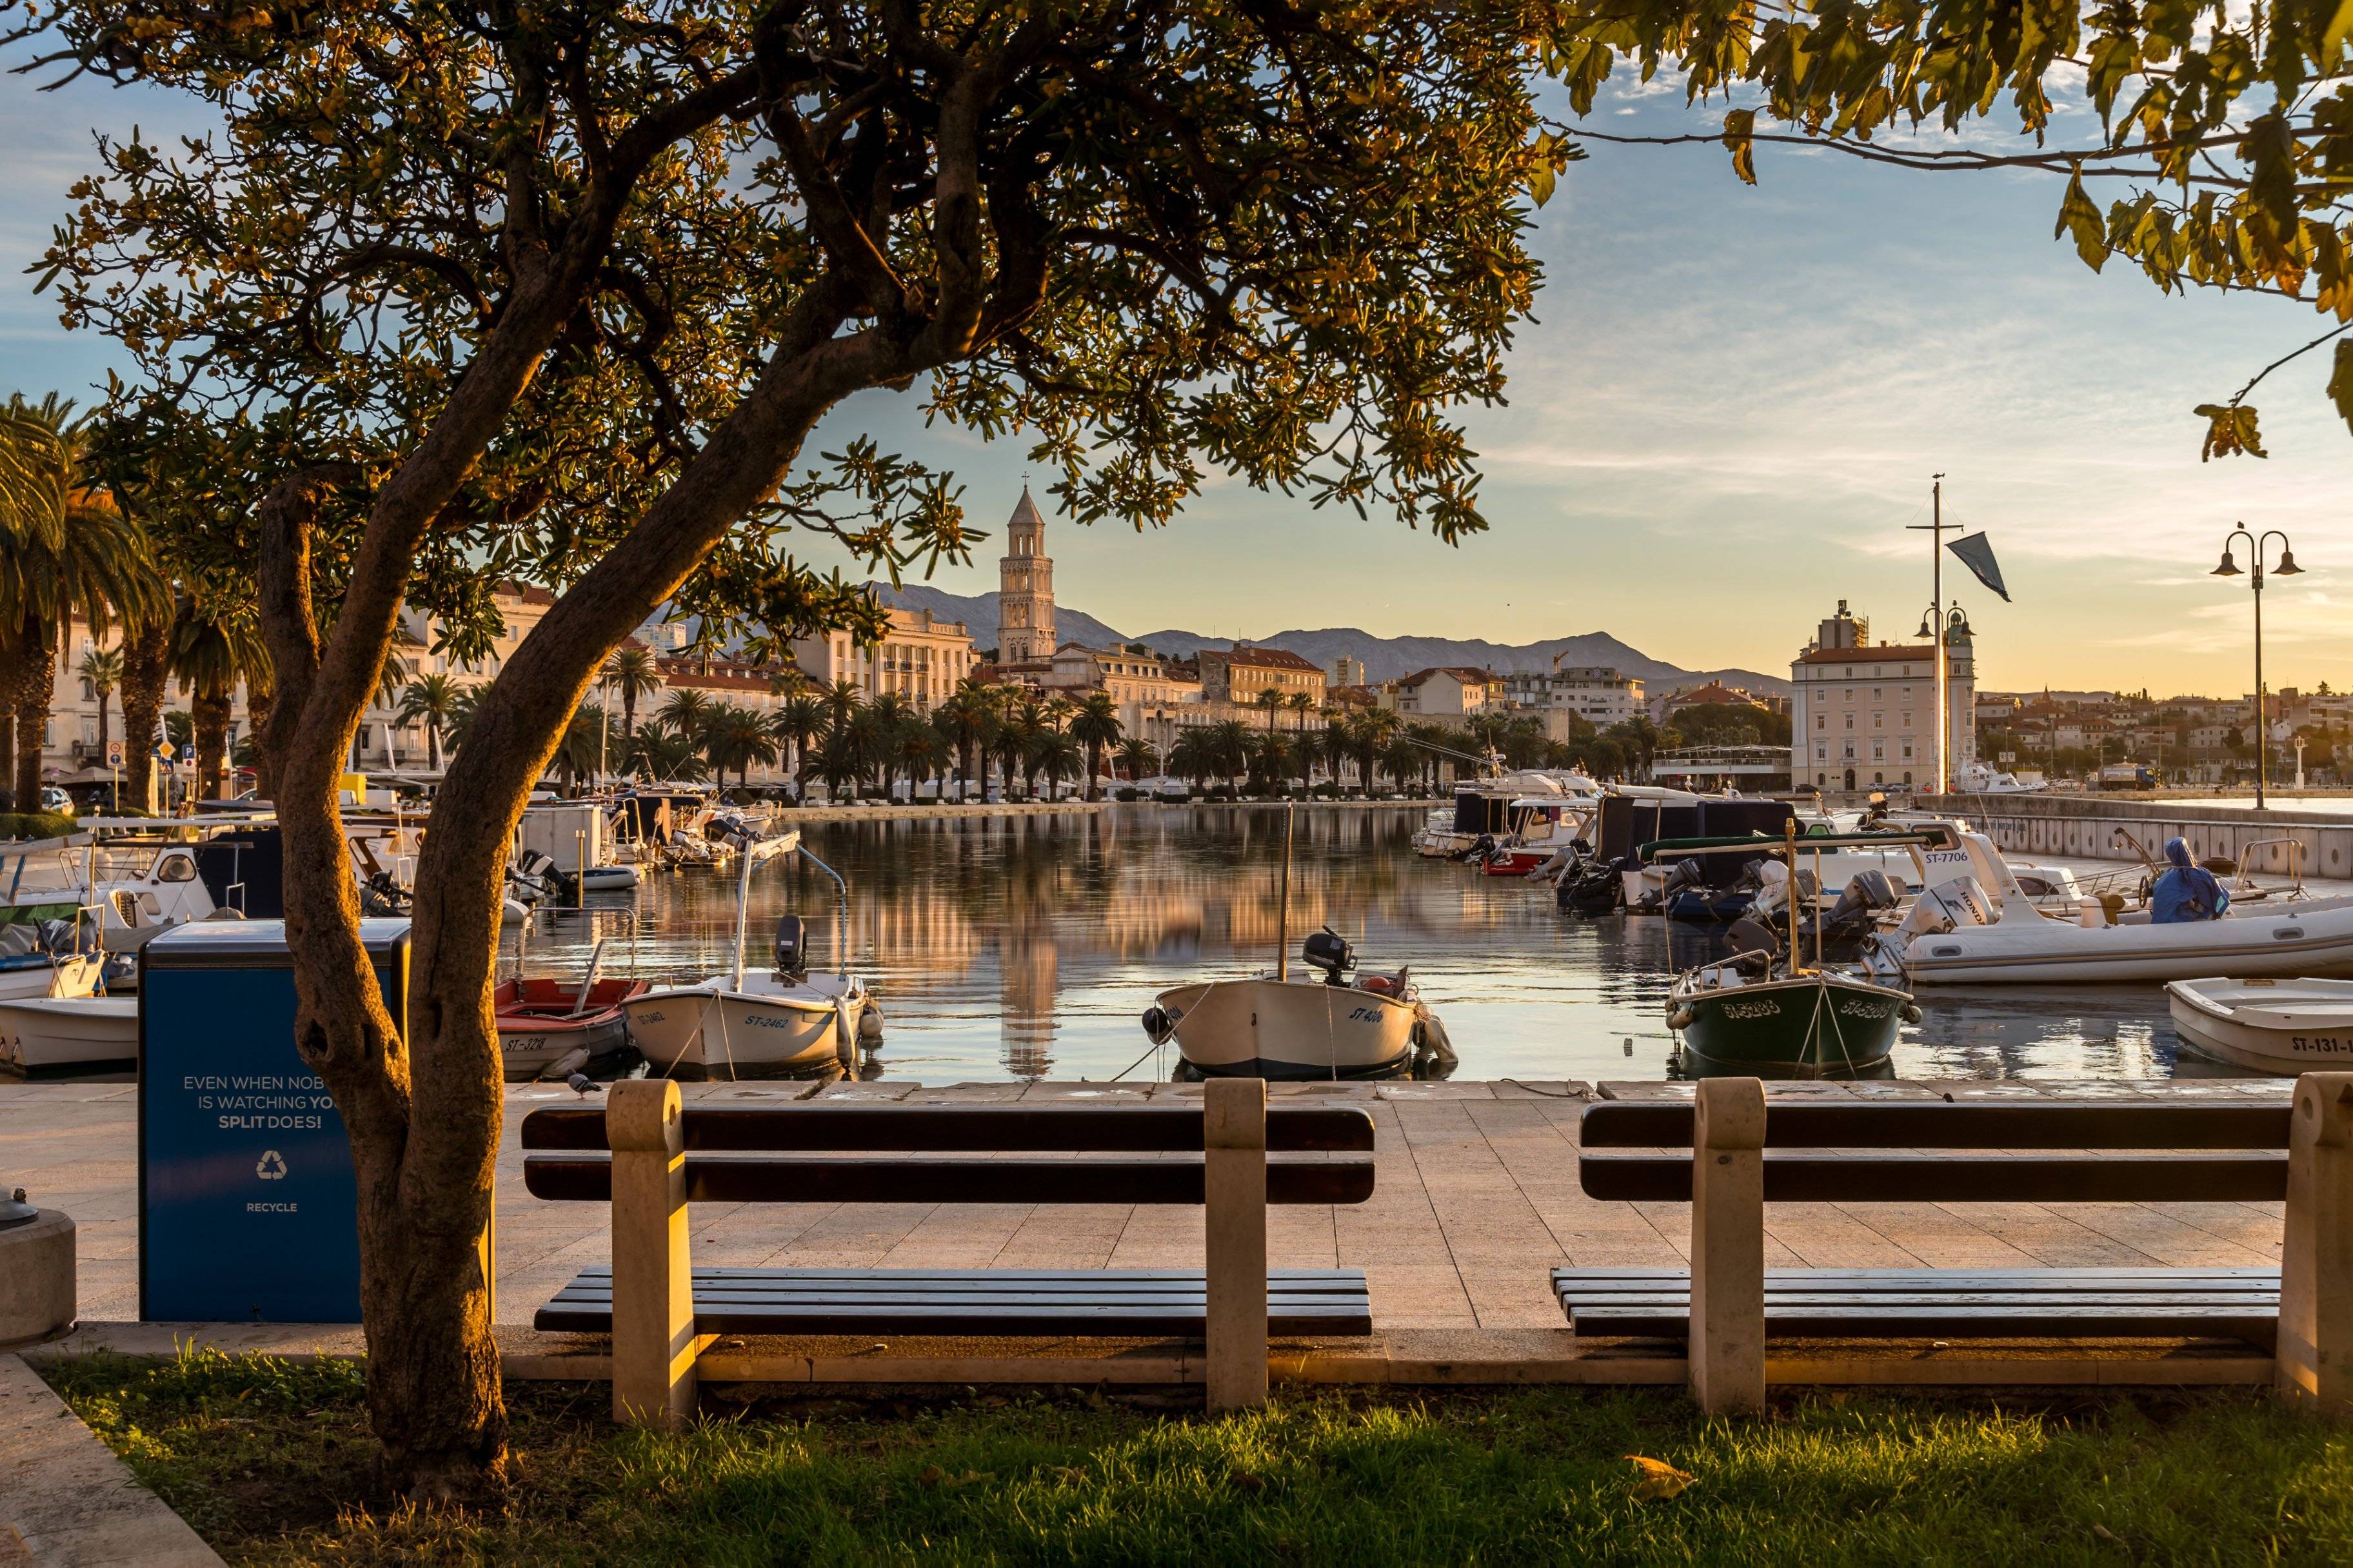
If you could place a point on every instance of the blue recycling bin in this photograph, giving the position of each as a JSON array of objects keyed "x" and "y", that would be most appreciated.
[{"x": 247, "y": 1204}]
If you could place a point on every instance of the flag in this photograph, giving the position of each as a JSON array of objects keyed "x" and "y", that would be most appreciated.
[{"x": 1978, "y": 555}]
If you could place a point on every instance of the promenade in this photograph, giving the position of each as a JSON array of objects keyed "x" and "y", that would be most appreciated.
[{"x": 1477, "y": 1198}]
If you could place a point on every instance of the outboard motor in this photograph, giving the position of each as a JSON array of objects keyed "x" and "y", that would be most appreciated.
[
  {"x": 1869, "y": 890},
  {"x": 792, "y": 948},
  {"x": 1328, "y": 950},
  {"x": 1754, "y": 945}
]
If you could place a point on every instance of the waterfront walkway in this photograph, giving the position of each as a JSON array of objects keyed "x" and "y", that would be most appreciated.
[{"x": 1477, "y": 1199}]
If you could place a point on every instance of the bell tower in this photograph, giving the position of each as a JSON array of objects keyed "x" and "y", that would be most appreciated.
[{"x": 1025, "y": 589}]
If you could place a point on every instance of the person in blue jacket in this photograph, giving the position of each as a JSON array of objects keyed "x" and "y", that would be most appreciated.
[{"x": 2188, "y": 892}]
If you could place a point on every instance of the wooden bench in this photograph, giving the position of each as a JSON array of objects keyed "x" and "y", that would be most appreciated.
[
  {"x": 650, "y": 1156},
  {"x": 1728, "y": 1303}
]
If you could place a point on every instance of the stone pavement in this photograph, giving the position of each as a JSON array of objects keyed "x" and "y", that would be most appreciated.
[
  {"x": 67, "y": 1502},
  {"x": 1476, "y": 1200}
]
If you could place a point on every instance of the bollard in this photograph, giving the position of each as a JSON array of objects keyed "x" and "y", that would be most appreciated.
[
  {"x": 1728, "y": 1246},
  {"x": 2315, "y": 1358},
  {"x": 654, "y": 1342},
  {"x": 1233, "y": 1182}
]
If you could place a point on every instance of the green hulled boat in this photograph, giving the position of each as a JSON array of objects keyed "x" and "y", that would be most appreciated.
[{"x": 1742, "y": 1013}]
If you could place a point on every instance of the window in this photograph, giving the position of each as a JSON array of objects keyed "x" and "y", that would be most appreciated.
[
  {"x": 1908, "y": 755},
  {"x": 1875, "y": 694},
  {"x": 1850, "y": 721},
  {"x": 1879, "y": 720},
  {"x": 1822, "y": 721},
  {"x": 88, "y": 692}
]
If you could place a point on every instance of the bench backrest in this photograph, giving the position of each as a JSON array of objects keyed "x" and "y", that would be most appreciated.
[
  {"x": 2241, "y": 1151},
  {"x": 567, "y": 1161}
]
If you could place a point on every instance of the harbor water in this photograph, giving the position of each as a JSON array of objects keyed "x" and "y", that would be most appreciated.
[{"x": 1027, "y": 947}]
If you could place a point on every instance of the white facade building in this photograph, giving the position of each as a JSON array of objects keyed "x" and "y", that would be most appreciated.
[
  {"x": 1862, "y": 715},
  {"x": 921, "y": 656},
  {"x": 1594, "y": 693}
]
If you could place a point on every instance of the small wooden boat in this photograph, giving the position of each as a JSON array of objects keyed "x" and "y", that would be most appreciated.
[
  {"x": 45, "y": 1037},
  {"x": 1374, "y": 1025},
  {"x": 785, "y": 1023},
  {"x": 550, "y": 1027},
  {"x": 1811, "y": 1023},
  {"x": 2283, "y": 1026}
]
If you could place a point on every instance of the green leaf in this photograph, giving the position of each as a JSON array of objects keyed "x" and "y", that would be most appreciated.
[
  {"x": 1740, "y": 134},
  {"x": 2340, "y": 382},
  {"x": 2079, "y": 217},
  {"x": 2333, "y": 36}
]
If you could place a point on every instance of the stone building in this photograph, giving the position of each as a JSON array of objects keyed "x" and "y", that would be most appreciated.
[
  {"x": 1025, "y": 590},
  {"x": 1862, "y": 715}
]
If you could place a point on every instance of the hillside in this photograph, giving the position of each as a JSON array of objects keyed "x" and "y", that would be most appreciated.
[{"x": 1384, "y": 659}]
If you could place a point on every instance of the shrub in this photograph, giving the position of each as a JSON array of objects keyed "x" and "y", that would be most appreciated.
[{"x": 23, "y": 825}]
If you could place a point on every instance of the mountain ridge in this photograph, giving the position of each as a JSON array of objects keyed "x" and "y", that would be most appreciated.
[{"x": 1384, "y": 659}]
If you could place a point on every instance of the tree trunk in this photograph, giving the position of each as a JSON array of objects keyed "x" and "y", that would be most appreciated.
[
  {"x": 9, "y": 677},
  {"x": 209, "y": 710},
  {"x": 259, "y": 700},
  {"x": 146, "y": 676},
  {"x": 36, "y": 672}
]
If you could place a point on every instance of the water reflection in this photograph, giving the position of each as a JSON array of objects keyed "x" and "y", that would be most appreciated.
[{"x": 1027, "y": 947}]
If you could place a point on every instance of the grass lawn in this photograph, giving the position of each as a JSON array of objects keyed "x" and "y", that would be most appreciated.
[{"x": 268, "y": 1460}]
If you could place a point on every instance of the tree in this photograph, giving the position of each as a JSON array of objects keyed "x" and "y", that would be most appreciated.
[
  {"x": 633, "y": 672},
  {"x": 1192, "y": 757},
  {"x": 581, "y": 748},
  {"x": 430, "y": 700},
  {"x": 2228, "y": 127},
  {"x": 71, "y": 552},
  {"x": 567, "y": 288},
  {"x": 737, "y": 738},
  {"x": 795, "y": 722},
  {"x": 687, "y": 710},
  {"x": 667, "y": 754},
  {"x": 1057, "y": 754},
  {"x": 1299, "y": 704},
  {"x": 1138, "y": 758},
  {"x": 1095, "y": 726},
  {"x": 212, "y": 652},
  {"x": 102, "y": 668},
  {"x": 1268, "y": 700},
  {"x": 1229, "y": 745},
  {"x": 967, "y": 719}
]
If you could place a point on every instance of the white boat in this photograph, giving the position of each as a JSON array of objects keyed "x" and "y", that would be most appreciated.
[
  {"x": 780, "y": 1024},
  {"x": 1500, "y": 806},
  {"x": 609, "y": 878},
  {"x": 42, "y": 1036},
  {"x": 2284, "y": 1026},
  {"x": 1318, "y": 1026},
  {"x": 1956, "y": 935},
  {"x": 32, "y": 976}
]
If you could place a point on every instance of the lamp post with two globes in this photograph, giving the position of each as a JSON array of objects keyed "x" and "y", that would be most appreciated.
[{"x": 2286, "y": 568}]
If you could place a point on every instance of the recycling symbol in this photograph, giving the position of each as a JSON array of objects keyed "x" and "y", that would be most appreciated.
[{"x": 272, "y": 1167}]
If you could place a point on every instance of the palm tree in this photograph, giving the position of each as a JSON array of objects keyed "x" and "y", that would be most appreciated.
[
  {"x": 430, "y": 700},
  {"x": 1095, "y": 725},
  {"x": 1300, "y": 703},
  {"x": 66, "y": 549},
  {"x": 1192, "y": 757},
  {"x": 1057, "y": 754},
  {"x": 842, "y": 699},
  {"x": 918, "y": 747},
  {"x": 1137, "y": 756},
  {"x": 102, "y": 668},
  {"x": 581, "y": 747},
  {"x": 1270, "y": 762},
  {"x": 632, "y": 672},
  {"x": 669, "y": 755},
  {"x": 687, "y": 711},
  {"x": 1229, "y": 745},
  {"x": 795, "y": 722},
  {"x": 967, "y": 718},
  {"x": 212, "y": 650},
  {"x": 1018, "y": 738},
  {"x": 1268, "y": 700},
  {"x": 1401, "y": 757},
  {"x": 736, "y": 738}
]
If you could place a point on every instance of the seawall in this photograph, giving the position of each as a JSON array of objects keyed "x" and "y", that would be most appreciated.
[{"x": 2093, "y": 827}]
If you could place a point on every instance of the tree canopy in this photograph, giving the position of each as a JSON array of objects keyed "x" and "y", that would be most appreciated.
[{"x": 2225, "y": 131}]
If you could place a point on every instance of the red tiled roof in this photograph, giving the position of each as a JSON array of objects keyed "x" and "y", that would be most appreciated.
[
  {"x": 1460, "y": 672},
  {"x": 1261, "y": 658}
]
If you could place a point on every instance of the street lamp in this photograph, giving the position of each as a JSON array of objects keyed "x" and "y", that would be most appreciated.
[{"x": 2286, "y": 568}]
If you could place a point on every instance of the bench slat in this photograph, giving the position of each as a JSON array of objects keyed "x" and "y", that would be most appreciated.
[
  {"x": 978, "y": 1301},
  {"x": 588, "y": 1178},
  {"x": 1931, "y": 1176},
  {"x": 962, "y": 1129},
  {"x": 1910, "y": 1303},
  {"x": 1966, "y": 1124}
]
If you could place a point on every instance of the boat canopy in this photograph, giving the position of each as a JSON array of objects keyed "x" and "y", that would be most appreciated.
[{"x": 1626, "y": 821}]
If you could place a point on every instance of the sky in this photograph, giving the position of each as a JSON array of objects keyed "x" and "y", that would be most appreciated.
[{"x": 1726, "y": 414}]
